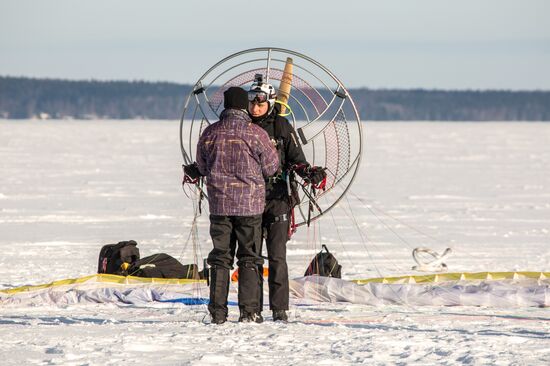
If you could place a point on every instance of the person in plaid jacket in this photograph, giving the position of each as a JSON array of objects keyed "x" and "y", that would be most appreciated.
[{"x": 236, "y": 157}]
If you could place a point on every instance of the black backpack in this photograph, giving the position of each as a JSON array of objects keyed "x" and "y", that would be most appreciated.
[
  {"x": 113, "y": 256},
  {"x": 324, "y": 264},
  {"x": 163, "y": 265}
]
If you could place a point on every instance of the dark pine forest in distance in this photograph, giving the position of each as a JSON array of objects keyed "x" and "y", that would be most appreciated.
[{"x": 23, "y": 98}]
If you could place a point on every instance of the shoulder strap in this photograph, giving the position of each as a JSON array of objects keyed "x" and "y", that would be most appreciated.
[{"x": 278, "y": 127}]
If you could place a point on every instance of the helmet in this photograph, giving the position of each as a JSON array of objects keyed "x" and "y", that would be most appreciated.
[{"x": 262, "y": 92}]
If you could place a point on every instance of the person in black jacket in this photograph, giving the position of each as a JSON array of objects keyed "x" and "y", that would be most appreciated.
[{"x": 276, "y": 218}]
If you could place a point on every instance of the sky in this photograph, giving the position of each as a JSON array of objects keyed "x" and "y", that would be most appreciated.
[{"x": 432, "y": 44}]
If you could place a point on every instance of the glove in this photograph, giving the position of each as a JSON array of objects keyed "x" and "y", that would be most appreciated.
[
  {"x": 302, "y": 170},
  {"x": 317, "y": 175},
  {"x": 311, "y": 174},
  {"x": 192, "y": 171}
]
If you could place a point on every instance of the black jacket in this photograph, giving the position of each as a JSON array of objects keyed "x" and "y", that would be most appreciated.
[{"x": 288, "y": 147}]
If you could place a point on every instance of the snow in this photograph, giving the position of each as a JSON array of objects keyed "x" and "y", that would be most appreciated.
[{"x": 483, "y": 189}]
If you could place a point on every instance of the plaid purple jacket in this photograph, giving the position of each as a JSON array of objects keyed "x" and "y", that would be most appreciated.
[{"x": 236, "y": 156}]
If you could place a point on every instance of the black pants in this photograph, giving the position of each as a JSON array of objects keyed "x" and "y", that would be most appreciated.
[
  {"x": 247, "y": 232},
  {"x": 275, "y": 222}
]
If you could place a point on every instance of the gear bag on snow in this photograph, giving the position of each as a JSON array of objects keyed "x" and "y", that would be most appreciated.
[
  {"x": 324, "y": 264},
  {"x": 163, "y": 265},
  {"x": 117, "y": 258}
]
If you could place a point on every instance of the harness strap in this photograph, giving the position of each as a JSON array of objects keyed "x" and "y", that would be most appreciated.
[
  {"x": 201, "y": 196},
  {"x": 292, "y": 228},
  {"x": 274, "y": 219}
]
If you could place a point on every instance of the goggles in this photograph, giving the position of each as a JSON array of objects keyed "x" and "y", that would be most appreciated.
[{"x": 257, "y": 96}]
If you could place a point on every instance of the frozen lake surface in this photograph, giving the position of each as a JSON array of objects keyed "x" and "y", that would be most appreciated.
[{"x": 482, "y": 189}]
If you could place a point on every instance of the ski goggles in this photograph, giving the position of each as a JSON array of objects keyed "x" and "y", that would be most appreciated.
[{"x": 257, "y": 96}]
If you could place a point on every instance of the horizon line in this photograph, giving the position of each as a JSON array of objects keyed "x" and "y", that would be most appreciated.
[{"x": 191, "y": 84}]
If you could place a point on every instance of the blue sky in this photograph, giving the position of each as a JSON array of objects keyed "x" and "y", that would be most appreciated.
[{"x": 467, "y": 44}]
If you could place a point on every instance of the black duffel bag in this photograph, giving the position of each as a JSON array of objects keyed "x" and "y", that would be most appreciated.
[
  {"x": 324, "y": 264},
  {"x": 163, "y": 265},
  {"x": 117, "y": 258}
]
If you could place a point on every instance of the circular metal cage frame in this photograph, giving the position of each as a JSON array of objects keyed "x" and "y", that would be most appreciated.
[{"x": 323, "y": 114}]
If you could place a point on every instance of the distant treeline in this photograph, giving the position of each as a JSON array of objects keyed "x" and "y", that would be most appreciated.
[{"x": 22, "y": 98}]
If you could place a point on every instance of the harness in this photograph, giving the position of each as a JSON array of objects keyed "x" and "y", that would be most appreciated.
[{"x": 287, "y": 176}]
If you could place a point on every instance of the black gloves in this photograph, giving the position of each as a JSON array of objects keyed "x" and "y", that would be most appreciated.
[
  {"x": 311, "y": 174},
  {"x": 192, "y": 171},
  {"x": 317, "y": 175}
]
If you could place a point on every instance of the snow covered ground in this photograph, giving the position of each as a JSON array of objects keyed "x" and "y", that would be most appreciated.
[{"x": 483, "y": 189}]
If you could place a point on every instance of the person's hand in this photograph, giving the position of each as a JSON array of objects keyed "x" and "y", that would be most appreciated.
[
  {"x": 192, "y": 171},
  {"x": 302, "y": 170},
  {"x": 312, "y": 174},
  {"x": 317, "y": 175}
]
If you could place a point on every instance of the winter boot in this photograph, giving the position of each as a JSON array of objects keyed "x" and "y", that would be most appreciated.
[
  {"x": 247, "y": 317},
  {"x": 280, "y": 316},
  {"x": 218, "y": 318}
]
